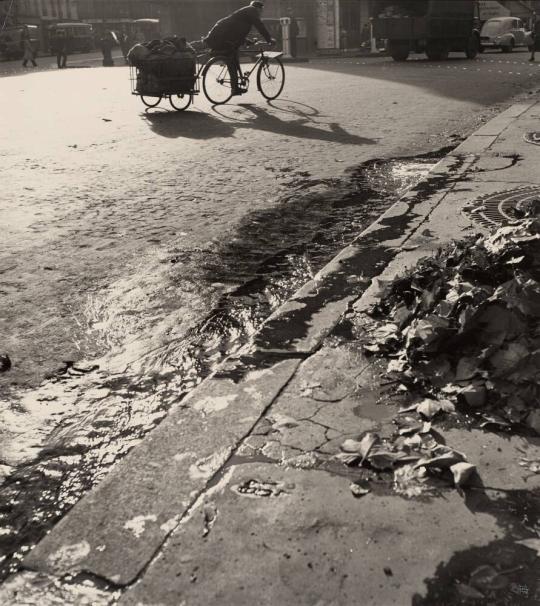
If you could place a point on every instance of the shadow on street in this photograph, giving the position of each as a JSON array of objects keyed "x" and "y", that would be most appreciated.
[
  {"x": 442, "y": 79},
  {"x": 197, "y": 125}
]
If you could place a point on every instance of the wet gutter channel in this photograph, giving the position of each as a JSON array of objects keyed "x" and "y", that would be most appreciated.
[{"x": 88, "y": 440}]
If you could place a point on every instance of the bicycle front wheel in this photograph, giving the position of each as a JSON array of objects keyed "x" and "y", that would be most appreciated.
[
  {"x": 217, "y": 81},
  {"x": 271, "y": 78}
]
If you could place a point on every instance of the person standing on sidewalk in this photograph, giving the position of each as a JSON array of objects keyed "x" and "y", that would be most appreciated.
[
  {"x": 60, "y": 48},
  {"x": 228, "y": 35},
  {"x": 107, "y": 42},
  {"x": 125, "y": 44},
  {"x": 536, "y": 40},
  {"x": 28, "y": 50}
]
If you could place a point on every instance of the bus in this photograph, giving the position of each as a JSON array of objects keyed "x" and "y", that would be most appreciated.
[
  {"x": 80, "y": 35},
  {"x": 144, "y": 30}
]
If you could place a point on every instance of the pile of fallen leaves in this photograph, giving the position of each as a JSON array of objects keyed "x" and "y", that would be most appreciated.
[
  {"x": 414, "y": 456},
  {"x": 461, "y": 331},
  {"x": 463, "y": 327}
]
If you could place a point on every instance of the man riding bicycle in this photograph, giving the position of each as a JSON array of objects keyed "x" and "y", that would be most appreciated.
[{"x": 230, "y": 33}]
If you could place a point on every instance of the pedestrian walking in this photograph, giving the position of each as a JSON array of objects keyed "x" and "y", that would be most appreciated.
[
  {"x": 535, "y": 46},
  {"x": 59, "y": 47},
  {"x": 228, "y": 35},
  {"x": 365, "y": 36},
  {"x": 28, "y": 51}
]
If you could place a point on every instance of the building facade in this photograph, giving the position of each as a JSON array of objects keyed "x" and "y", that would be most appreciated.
[
  {"x": 324, "y": 25},
  {"x": 42, "y": 13},
  {"x": 35, "y": 12}
]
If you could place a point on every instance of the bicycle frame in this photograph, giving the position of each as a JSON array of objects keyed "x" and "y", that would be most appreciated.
[{"x": 261, "y": 56}]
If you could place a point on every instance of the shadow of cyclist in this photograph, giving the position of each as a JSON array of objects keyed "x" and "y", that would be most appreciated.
[
  {"x": 303, "y": 127},
  {"x": 190, "y": 124},
  {"x": 222, "y": 123}
]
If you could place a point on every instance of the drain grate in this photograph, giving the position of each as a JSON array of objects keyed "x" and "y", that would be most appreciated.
[
  {"x": 500, "y": 208},
  {"x": 532, "y": 138}
]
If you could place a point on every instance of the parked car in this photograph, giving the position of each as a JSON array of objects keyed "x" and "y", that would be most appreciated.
[
  {"x": 504, "y": 33},
  {"x": 11, "y": 40},
  {"x": 80, "y": 35}
]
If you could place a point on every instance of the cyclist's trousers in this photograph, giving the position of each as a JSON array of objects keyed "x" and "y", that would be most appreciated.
[{"x": 233, "y": 63}]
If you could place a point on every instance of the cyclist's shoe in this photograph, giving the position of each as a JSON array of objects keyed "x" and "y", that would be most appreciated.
[{"x": 238, "y": 91}]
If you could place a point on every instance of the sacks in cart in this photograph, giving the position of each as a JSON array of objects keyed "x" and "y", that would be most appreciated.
[{"x": 166, "y": 66}]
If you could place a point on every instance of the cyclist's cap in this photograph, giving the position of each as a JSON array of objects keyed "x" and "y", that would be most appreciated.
[{"x": 257, "y": 3}]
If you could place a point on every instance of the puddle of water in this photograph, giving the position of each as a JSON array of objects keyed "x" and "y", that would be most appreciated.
[
  {"x": 93, "y": 418},
  {"x": 374, "y": 411}
]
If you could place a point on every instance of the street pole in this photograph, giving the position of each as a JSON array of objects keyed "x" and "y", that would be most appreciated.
[
  {"x": 374, "y": 49},
  {"x": 286, "y": 35},
  {"x": 337, "y": 24}
]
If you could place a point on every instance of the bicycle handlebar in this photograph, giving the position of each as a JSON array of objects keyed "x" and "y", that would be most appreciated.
[{"x": 255, "y": 42}]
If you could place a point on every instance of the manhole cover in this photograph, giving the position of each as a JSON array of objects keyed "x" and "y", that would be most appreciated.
[
  {"x": 533, "y": 138},
  {"x": 500, "y": 208}
]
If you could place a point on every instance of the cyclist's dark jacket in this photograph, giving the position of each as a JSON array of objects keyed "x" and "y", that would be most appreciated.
[{"x": 232, "y": 31}]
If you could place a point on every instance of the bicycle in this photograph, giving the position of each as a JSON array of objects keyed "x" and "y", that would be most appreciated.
[
  {"x": 216, "y": 79},
  {"x": 155, "y": 79}
]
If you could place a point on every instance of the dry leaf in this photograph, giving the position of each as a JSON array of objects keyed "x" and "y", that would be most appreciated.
[
  {"x": 487, "y": 577},
  {"x": 533, "y": 544},
  {"x": 462, "y": 473},
  {"x": 361, "y": 447},
  {"x": 358, "y": 490},
  {"x": 429, "y": 408}
]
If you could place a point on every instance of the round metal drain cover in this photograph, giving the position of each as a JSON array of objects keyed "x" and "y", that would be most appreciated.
[
  {"x": 533, "y": 138},
  {"x": 500, "y": 208}
]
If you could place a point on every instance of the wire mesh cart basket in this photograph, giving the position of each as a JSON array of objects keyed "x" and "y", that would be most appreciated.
[{"x": 156, "y": 78}]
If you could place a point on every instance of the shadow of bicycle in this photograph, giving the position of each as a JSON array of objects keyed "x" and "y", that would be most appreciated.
[{"x": 283, "y": 117}]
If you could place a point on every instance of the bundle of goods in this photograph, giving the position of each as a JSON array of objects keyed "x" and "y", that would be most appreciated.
[{"x": 164, "y": 66}]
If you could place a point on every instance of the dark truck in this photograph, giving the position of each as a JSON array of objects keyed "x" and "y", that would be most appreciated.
[{"x": 434, "y": 27}]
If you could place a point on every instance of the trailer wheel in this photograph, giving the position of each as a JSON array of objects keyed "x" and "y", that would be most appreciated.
[{"x": 399, "y": 50}]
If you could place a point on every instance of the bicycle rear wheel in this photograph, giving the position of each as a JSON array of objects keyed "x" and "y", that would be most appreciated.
[
  {"x": 217, "y": 81},
  {"x": 271, "y": 78}
]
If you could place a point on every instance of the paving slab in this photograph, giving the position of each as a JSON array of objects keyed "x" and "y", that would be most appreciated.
[
  {"x": 115, "y": 530},
  {"x": 503, "y": 461},
  {"x": 307, "y": 541},
  {"x": 500, "y": 123}
]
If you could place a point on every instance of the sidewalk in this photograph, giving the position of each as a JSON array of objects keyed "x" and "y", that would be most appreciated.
[{"x": 267, "y": 516}]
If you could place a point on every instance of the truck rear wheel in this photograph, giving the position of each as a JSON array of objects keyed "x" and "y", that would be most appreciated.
[
  {"x": 399, "y": 50},
  {"x": 436, "y": 50}
]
